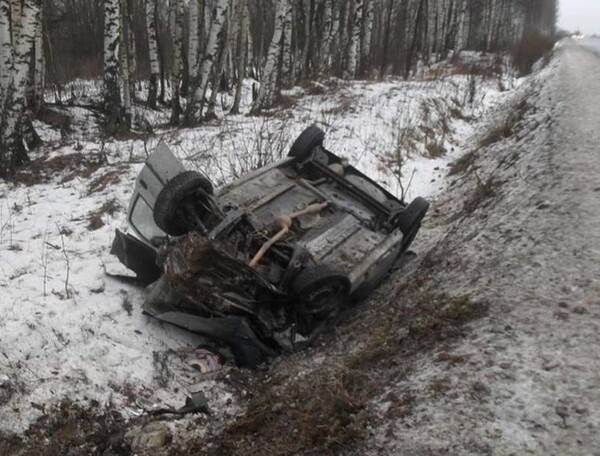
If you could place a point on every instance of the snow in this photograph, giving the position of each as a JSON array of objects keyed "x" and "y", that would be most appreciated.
[
  {"x": 531, "y": 253},
  {"x": 70, "y": 331}
]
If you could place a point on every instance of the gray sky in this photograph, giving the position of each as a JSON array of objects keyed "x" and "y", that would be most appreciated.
[{"x": 583, "y": 15}]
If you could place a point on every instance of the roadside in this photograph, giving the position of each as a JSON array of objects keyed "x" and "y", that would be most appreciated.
[
  {"x": 490, "y": 344},
  {"x": 372, "y": 371}
]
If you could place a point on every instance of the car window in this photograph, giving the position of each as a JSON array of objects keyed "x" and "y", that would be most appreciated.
[{"x": 143, "y": 221}]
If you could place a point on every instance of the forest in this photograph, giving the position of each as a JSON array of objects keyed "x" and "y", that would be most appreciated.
[{"x": 177, "y": 54}]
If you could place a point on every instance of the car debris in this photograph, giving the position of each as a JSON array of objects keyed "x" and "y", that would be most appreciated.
[{"x": 266, "y": 263}]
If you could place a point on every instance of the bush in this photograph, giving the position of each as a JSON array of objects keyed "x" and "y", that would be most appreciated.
[{"x": 530, "y": 49}]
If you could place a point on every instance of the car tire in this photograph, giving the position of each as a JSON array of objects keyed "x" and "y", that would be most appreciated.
[
  {"x": 310, "y": 138},
  {"x": 320, "y": 292},
  {"x": 409, "y": 220},
  {"x": 171, "y": 196}
]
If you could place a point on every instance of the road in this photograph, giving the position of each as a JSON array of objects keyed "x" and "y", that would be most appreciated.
[{"x": 526, "y": 378}]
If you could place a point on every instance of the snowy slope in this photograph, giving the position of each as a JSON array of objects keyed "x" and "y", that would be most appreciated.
[{"x": 69, "y": 331}]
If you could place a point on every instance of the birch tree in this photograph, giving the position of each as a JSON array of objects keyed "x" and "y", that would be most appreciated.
[
  {"x": 177, "y": 68},
  {"x": 329, "y": 32},
  {"x": 125, "y": 56},
  {"x": 269, "y": 76},
  {"x": 354, "y": 44},
  {"x": 112, "y": 67},
  {"x": 39, "y": 70},
  {"x": 13, "y": 117},
  {"x": 287, "y": 64},
  {"x": 242, "y": 14},
  {"x": 6, "y": 54},
  {"x": 152, "y": 52},
  {"x": 199, "y": 86},
  {"x": 194, "y": 38}
]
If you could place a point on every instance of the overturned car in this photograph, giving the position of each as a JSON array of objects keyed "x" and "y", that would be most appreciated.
[{"x": 265, "y": 263}]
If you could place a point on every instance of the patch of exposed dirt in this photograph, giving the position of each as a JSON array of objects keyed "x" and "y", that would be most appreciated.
[
  {"x": 95, "y": 221},
  {"x": 70, "y": 166}
]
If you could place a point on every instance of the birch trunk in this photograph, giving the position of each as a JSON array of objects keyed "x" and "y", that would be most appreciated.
[
  {"x": 112, "y": 44},
  {"x": 177, "y": 70},
  {"x": 39, "y": 71},
  {"x": 152, "y": 52},
  {"x": 6, "y": 54},
  {"x": 269, "y": 75},
  {"x": 218, "y": 73},
  {"x": 286, "y": 56},
  {"x": 242, "y": 55},
  {"x": 15, "y": 19},
  {"x": 303, "y": 61},
  {"x": 125, "y": 63},
  {"x": 13, "y": 118},
  {"x": 194, "y": 38},
  {"x": 354, "y": 45},
  {"x": 324, "y": 51},
  {"x": 199, "y": 86}
]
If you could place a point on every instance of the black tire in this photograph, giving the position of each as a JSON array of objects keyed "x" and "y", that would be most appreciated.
[
  {"x": 172, "y": 195},
  {"x": 310, "y": 138},
  {"x": 320, "y": 292},
  {"x": 409, "y": 220}
]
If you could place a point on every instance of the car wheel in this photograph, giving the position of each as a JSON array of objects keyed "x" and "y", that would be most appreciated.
[
  {"x": 320, "y": 291},
  {"x": 310, "y": 138},
  {"x": 172, "y": 197},
  {"x": 409, "y": 220}
]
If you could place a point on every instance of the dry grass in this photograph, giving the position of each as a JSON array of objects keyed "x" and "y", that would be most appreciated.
[
  {"x": 326, "y": 410},
  {"x": 70, "y": 429},
  {"x": 107, "y": 179},
  {"x": 462, "y": 164},
  {"x": 69, "y": 166},
  {"x": 95, "y": 221}
]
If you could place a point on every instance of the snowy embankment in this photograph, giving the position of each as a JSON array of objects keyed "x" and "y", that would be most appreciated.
[{"x": 69, "y": 332}]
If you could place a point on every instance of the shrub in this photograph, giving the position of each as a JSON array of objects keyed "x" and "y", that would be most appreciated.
[{"x": 530, "y": 49}]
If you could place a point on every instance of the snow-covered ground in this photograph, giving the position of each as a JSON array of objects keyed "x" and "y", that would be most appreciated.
[{"x": 67, "y": 330}]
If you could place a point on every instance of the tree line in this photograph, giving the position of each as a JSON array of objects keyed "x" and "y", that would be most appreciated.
[{"x": 178, "y": 54}]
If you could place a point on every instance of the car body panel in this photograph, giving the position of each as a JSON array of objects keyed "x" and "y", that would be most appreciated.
[{"x": 351, "y": 234}]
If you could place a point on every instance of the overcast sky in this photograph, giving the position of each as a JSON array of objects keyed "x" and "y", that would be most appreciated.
[{"x": 583, "y": 15}]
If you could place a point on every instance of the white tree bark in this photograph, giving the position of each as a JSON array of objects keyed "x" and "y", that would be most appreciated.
[
  {"x": 125, "y": 62},
  {"x": 244, "y": 20},
  {"x": 201, "y": 79},
  {"x": 286, "y": 55},
  {"x": 6, "y": 54},
  {"x": 324, "y": 51},
  {"x": 194, "y": 38},
  {"x": 177, "y": 70},
  {"x": 16, "y": 9},
  {"x": 353, "y": 47},
  {"x": 112, "y": 76},
  {"x": 152, "y": 52},
  {"x": 39, "y": 71},
  {"x": 12, "y": 118},
  {"x": 269, "y": 75}
]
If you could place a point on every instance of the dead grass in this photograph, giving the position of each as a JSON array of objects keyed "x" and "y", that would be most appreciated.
[
  {"x": 326, "y": 410},
  {"x": 435, "y": 149},
  {"x": 107, "y": 179},
  {"x": 69, "y": 429},
  {"x": 484, "y": 190},
  {"x": 68, "y": 166},
  {"x": 507, "y": 127},
  {"x": 462, "y": 164},
  {"x": 95, "y": 221}
]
